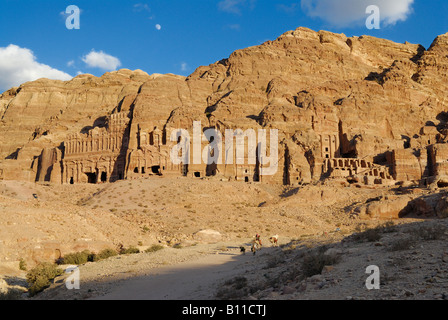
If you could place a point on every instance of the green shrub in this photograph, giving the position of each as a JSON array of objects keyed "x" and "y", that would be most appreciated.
[
  {"x": 402, "y": 244},
  {"x": 389, "y": 227},
  {"x": 77, "y": 258},
  {"x": 106, "y": 253},
  {"x": 22, "y": 265},
  {"x": 130, "y": 250},
  {"x": 154, "y": 248},
  {"x": 443, "y": 214},
  {"x": 373, "y": 235},
  {"x": 233, "y": 289},
  {"x": 314, "y": 263},
  {"x": 11, "y": 294},
  {"x": 370, "y": 235},
  {"x": 429, "y": 233},
  {"x": 39, "y": 277},
  {"x": 275, "y": 261}
]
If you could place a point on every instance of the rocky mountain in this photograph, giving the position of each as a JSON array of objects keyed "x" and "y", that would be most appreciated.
[{"x": 379, "y": 104}]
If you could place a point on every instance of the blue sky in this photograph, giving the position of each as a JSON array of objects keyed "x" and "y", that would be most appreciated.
[{"x": 177, "y": 36}]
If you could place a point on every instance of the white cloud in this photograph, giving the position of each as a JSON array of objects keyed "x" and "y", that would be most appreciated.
[
  {"x": 158, "y": 27},
  {"x": 235, "y": 27},
  {"x": 184, "y": 66},
  {"x": 235, "y": 6},
  {"x": 141, "y": 7},
  {"x": 71, "y": 63},
  {"x": 290, "y": 9},
  {"x": 19, "y": 65},
  {"x": 99, "y": 59},
  {"x": 346, "y": 12},
  {"x": 231, "y": 6}
]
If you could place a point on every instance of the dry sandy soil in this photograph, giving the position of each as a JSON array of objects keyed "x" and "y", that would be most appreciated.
[{"x": 39, "y": 222}]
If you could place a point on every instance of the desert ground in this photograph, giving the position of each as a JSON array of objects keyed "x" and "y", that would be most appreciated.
[{"x": 42, "y": 222}]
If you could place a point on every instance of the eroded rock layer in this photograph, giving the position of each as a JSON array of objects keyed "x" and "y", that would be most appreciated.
[{"x": 363, "y": 109}]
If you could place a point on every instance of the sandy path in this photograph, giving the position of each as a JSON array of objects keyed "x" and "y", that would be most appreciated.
[{"x": 193, "y": 280}]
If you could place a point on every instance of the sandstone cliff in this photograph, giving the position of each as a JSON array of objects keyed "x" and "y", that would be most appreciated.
[{"x": 330, "y": 96}]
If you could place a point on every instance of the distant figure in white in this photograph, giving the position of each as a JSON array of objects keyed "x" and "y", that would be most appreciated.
[
  {"x": 256, "y": 244},
  {"x": 274, "y": 240}
]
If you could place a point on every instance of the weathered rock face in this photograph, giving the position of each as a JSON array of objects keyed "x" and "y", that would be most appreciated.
[
  {"x": 430, "y": 206},
  {"x": 49, "y": 168},
  {"x": 42, "y": 113},
  {"x": 439, "y": 159},
  {"x": 410, "y": 165},
  {"x": 46, "y": 107},
  {"x": 208, "y": 236},
  {"x": 387, "y": 208},
  {"x": 376, "y": 102}
]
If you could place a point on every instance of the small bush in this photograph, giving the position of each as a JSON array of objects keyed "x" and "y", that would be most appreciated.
[
  {"x": 238, "y": 283},
  {"x": 22, "y": 265},
  {"x": 233, "y": 289},
  {"x": 130, "y": 250},
  {"x": 370, "y": 235},
  {"x": 11, "y": 294},
  {"x": 106, "y": 253},
  {"x": 402, "y": 244},
  {"x": 154, "y": 248},
  {"x": 430, "y": 232},
  {"x": 77, "y": 258},
  {"x": 39, "y": 277},
  {"x": 443, "y": 214},
  {"x": 389, "y": 227},
  {"x": 274, "y": 262},
  {"x": 315, "y": 262}
]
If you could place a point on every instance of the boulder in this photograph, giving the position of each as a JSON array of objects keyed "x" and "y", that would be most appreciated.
[
  {"x": 208, "y": 236},
  {"x": 387, "y": 209}
]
